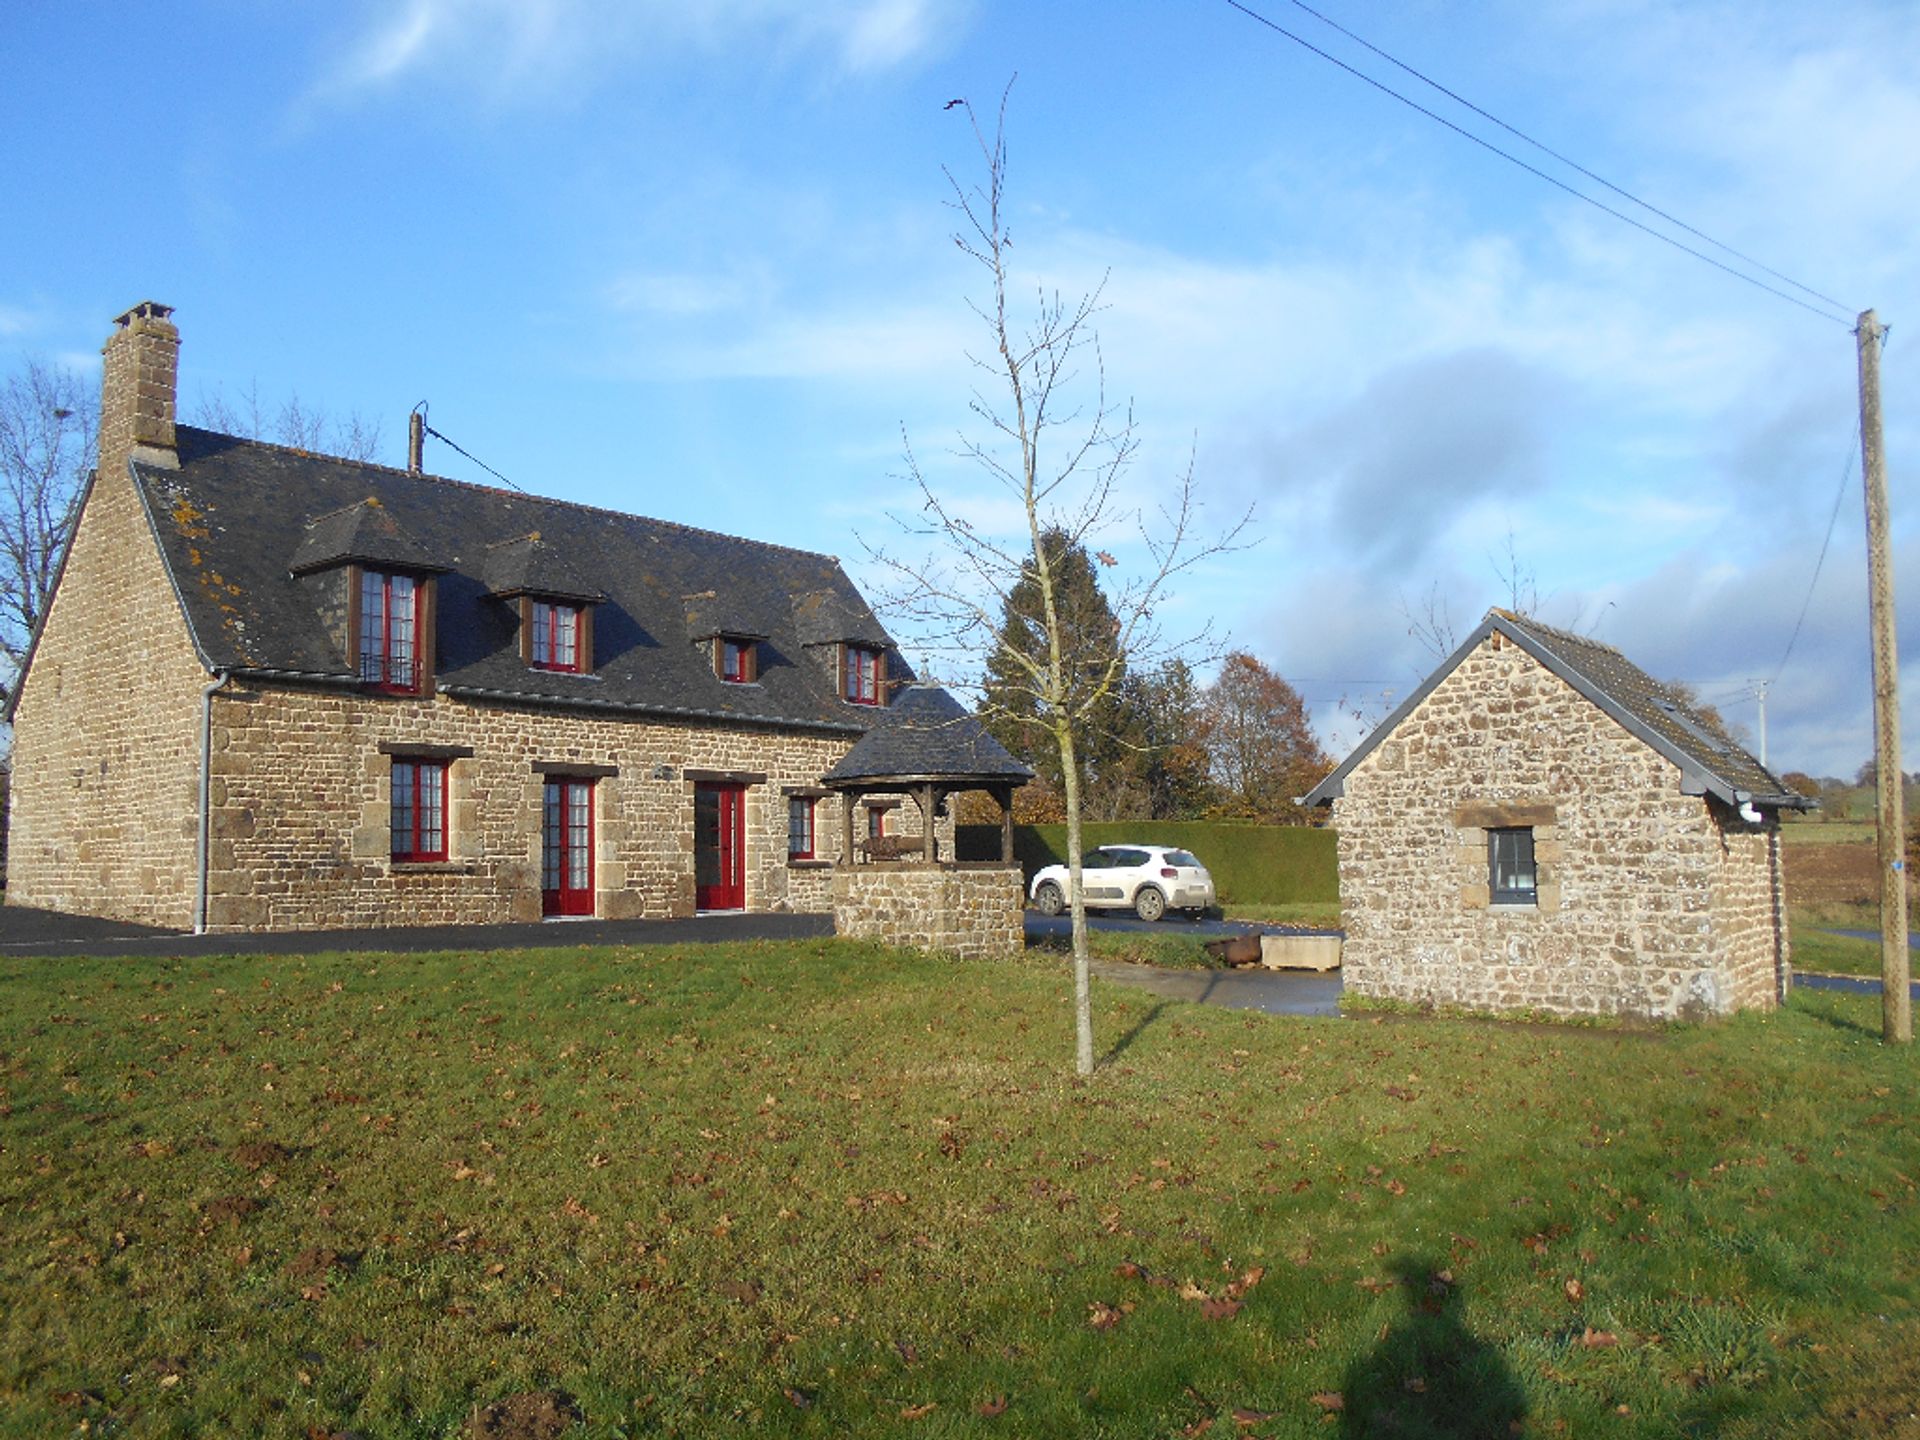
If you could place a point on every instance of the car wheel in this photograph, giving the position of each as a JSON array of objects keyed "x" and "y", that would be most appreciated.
[
  {"x": 1048, "y": 900},
  {"x": 1149, "y": 904}
]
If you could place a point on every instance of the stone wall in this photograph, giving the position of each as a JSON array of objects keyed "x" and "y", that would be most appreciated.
[
  {"x": 971, "y": 910},
  {"x": 300, "y": 810},
  {"x": 1650, "y": 902},
  {"x": 106, "y": 739}
]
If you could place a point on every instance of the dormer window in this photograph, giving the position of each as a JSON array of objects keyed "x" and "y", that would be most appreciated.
[
  {"x": 390, "y": 631},
  {"x": 735, "y": 660},
  {"x": 863, "y": 675},
  {"x": 556, "y": 640}
]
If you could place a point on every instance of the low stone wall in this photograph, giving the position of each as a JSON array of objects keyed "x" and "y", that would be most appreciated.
[{"x": 972, "y": 911}]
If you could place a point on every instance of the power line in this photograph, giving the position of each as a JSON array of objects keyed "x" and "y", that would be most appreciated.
[
  {"x": 1565, "y": 159},
  {"x": 1846, "y": 475},
  {"x": 1552, "y": 180},
  {"x": 471, "y": 456}
]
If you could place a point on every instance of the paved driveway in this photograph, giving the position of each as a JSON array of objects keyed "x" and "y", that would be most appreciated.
[{"x": 45, "y": 933}]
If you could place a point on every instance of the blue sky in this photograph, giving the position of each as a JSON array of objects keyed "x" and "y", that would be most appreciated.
[{"x": 693, "y": 261}]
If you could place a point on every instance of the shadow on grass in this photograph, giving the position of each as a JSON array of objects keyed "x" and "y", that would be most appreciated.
[
  {"x": 1430, "y": 1375},
  {"x": 1121, "y": 1045},
  {"x": 1819, "y": 1005}
]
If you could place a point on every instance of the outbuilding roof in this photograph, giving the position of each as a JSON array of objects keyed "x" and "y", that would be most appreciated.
[
  {"x": 247, "y": 529},
  {"x": 1711, "y": 762}
]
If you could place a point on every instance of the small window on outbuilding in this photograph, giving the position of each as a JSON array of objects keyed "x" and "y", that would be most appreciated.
[{"x": 1512, "y": 879}]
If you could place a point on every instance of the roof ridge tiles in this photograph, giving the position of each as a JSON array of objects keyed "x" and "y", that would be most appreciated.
[{"x": 403, "y": 474}]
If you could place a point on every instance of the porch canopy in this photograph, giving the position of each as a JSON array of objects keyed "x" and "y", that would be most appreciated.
[{"x": 928, "y": 745}]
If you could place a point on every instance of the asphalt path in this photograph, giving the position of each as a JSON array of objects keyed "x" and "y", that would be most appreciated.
[
  {"x": 1852, "y": 984},
  {"x": 45, "y": 933},
  {"x": 1913, "y": 937}
]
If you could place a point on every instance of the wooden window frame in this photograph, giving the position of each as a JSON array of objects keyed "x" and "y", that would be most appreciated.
[
  {"x": 804, "y": 810},
  {"x": 746, "y": 650},
  {"x": 857, "y": 688},
  {"x": 547, "y": 619},
  {"x": 378, "y": 677},
  {"x": 1519, "y": 839},
  {"x": 418, "y": 790}
]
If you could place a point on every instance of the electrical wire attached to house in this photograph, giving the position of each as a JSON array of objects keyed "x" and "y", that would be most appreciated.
[{"x": 421, "y": 410}]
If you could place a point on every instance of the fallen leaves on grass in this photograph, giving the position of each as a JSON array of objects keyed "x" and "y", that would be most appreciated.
[
  {"x": 1246, "y": 1418},
  {"x": 1598, "y": 1339},
  {"x": 990, "y": 1408},
  {"x": 1330, "y": 1400},
  {"x": 1576, "y": 1292},
  {"x": 798, "y": 1398},
  {"x": 1102, "y": 1316},
  {"x": 531, "y": 1415},
  {"x": 919, "y": 1412}
]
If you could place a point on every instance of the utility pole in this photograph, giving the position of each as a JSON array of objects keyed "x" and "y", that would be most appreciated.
[
  {"x": 1760, "y": 694},
  {"x": 1896, "y": 1002}
]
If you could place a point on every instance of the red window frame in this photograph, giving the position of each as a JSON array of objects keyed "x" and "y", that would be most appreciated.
[
  {"x": 418, "y": 823},
  {"x": 734, "y": 658},
  {"x": 390, "y": 648},
  {"x": 556, "y": 637},
  {"x": 862, "y": 679},
  {"x": 800, "y": 827}
]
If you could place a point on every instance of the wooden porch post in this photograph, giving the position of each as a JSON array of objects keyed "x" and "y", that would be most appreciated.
[
  {"x": 846, "y": 821},
  {"x": 1006, "y": 824}
]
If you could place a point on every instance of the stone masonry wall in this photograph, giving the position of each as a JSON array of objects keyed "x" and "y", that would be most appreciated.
[
  {"x": 1749, "y": 911},
  {"x": 968, "y": 910},
  {"x": 301, "y": 810},
  {"x": 1649, "y": 904},
  {"x": 106, "y": 740}
]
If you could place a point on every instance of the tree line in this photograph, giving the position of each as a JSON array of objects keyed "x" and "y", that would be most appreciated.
[{"x": 1158, "y": 743}]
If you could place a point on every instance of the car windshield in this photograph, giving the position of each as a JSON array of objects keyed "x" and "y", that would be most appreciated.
[{"x": 1184, "y": 860}]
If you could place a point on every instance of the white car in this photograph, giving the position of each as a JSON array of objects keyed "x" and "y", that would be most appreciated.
[{"x": 1147, "y": 879}]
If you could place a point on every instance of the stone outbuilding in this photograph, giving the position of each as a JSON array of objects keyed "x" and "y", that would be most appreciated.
[
  {"x": 1541, "y": 825},
  {"x": 914, "y": 890},
  {"x": 282, "y": 690}
]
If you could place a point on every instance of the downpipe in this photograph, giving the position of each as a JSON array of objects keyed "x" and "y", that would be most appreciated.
[{"x": 220, "y": 678}]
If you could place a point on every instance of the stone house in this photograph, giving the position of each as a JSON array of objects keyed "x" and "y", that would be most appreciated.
[
  {"x": 1542, "y": 825},
  {"x": 282, "y": 690}
]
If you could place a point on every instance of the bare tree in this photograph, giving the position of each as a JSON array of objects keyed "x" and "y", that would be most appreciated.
[
  {"x": 48, "y": 439},
  {"x": 1063, "y": 466},
  {"x": 294, "y": 423}
]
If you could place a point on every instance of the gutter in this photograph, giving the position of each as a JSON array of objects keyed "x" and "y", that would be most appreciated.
[{"x": 220, "y": 678}]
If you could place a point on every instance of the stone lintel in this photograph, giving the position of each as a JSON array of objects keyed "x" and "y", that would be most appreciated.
[
  {"x": 406, "y": 750},
  {"x": 576, "y": 769},
  {"x": 727, "y": 777},
  {"x": 1486, "y": 816}
]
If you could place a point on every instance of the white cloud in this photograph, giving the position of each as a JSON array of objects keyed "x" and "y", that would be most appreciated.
[{"x": 541, "y": 49}]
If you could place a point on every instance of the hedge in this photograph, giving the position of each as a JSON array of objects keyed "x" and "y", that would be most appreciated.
[{"x": 1251, "y": 864}]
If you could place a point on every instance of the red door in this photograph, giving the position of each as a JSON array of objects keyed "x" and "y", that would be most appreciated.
[
  {"x": 566, "y": 868},
  {"x": 719, "y": 847}
]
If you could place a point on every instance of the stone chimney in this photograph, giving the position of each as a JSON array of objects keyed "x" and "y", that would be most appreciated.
[{"x": 138, "y": 385}]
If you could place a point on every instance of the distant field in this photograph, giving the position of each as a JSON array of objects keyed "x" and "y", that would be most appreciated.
[{"x": 1827, "y": 832}]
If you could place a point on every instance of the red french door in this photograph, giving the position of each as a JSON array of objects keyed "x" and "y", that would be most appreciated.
[
  {"x": 720, "y": 847},
  {"x": 566, "y": 865}
]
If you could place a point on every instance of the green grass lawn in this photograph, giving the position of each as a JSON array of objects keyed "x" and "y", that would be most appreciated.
[{"x": 825, "y": 1188}]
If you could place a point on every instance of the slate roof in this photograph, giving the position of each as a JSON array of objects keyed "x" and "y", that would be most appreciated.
[
  {"x": 1710, "y": 761},
  {"x": 238, "y": 517},
  {"x": 926, "y": 734},
  {"x": 364, "y": 531},
  {"x": 533, "y": 565}
]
